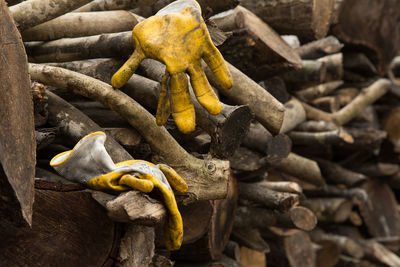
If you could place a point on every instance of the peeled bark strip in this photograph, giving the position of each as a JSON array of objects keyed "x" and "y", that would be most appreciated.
[
  {"x": 70, "y": 49},
  {"x": 381, "y": 36},
  {"x": 34, "y": 12},
  {"x": 207, "y": 179},
  {"x": 17, "y": 135},
  {"x": 330, "y": 210},
  {"x": 103, "y": 5},
  {"x": 81, "y": 24},
  {"x": 261, "y": 194},
  {"x": 268, "y": 111},
  {"x": 309, "y": 20},
  {"x": 302, "y": 168},
  {"x": 319, "y": 48},
  {"x": 367, "y": 96},
  {"x": 269, "y": 53}
]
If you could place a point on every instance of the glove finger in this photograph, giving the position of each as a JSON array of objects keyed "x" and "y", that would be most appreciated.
[
  {"x": 107, "y": 181},
  {"x": 173, "y": 232},
  {"x": 164, "y": 103},
  {"x": 174, "y": 179},
  {"x": 203, "y": 91},
  {"x": 120, "y": 78},
  {"x": 137, "y": 183},
  {"x": 217, "y": 64},
  {"x": 182, "y": 107}
]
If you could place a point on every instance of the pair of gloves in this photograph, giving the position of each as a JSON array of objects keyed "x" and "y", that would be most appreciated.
[
  {"x": 178, "y": 37},
  {"x": 89, "y": 163}
]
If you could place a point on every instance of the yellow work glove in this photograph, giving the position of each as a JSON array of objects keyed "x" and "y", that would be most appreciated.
[
  {"x": 178, "y": 37},
  {"x": 89, "y": 163}
]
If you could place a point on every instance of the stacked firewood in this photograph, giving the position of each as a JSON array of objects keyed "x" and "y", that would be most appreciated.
[{"x": 301, "y": 168}]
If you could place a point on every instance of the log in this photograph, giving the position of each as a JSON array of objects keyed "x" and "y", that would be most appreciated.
[
  {"x": 70, "y": 49},
  {"x": 192, "y": 170},
  {"x": 323, "y": 138},
  {"x": 329, "y": 210},
  {"x": 252, "y": 257},
  {"x": 316, "y": 126},
  {"x": 309, "y": 20},
  {"x": 294, "y": 115},
  {"x": 219, "y": 226},
  {"x": 328, "y": 103},
  {"x": 81, "y": 24},
  {"x": 267, "y": 110},
  {"x": 320, "y": 90},
  {"x": 34, "y": 12},
  {"x": 390, "y": 126},
  {"x": 334, "y": 66},
  {"x": 336, "y": 174},
  {"x": 327, "y": 253},
  {"x": 137, "y": 246},
  {"x": 302, "y": 168},
  {"x": 377, "y": 252},
  {"x": 277, "y": 88},
  {"x": 67, "y": 227},
  {"x": 232, "y": 250},
  {"x": 251, "y": 238},
  {"x": 382, "y": 221},
  {"x": 313, "y": 72},
  {"x": 259, "y": 193},
  {"x": 359, "y": 63},
  {"x": 319, "y": 48},
  {"x": 381, "y": 37},
  {"x": 347, "y": 245},
  {"x": 367, "y": 96},
  {"x": 254, "y": 47},
  {"x": 103, "y": 5},
  {"x": 17, "y": 137}
]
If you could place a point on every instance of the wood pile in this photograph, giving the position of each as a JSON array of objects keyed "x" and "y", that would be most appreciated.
[{"x": 301, "y": 168}]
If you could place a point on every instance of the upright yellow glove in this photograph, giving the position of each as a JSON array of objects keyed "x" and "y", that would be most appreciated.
[
  {"x": 89, "y": 163},
  {"x": 178, "y": 37}
]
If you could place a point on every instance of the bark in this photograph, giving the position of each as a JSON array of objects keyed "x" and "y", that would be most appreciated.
[
  {"x": 269, "y": 53},
  {"x": 17, "y": 135},
  {"x": 81, "y": 24},
  {"x": 328, "y": 103},
  {"x": 334, "y": 67},
  {"x": 313, "y": 72},
  {"x": 309, "y": 20},
  {"x": 34, "y": 12},
  {"x": 319, "y": 48},
  {"x": 199, "y": 174}
]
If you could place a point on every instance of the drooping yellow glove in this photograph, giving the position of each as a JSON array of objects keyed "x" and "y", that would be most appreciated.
[
  {"x": 178, "y": 37},
  {"x": 88, "y": 162}
]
